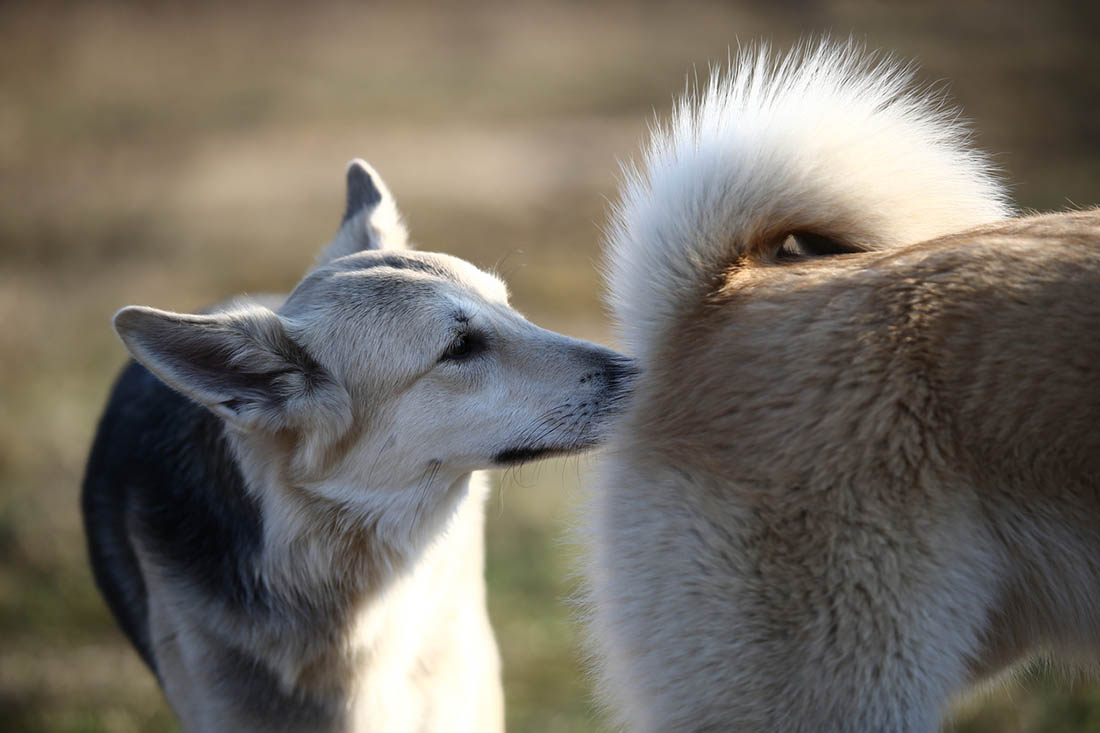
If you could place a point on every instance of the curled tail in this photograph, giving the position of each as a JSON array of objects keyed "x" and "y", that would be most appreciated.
[{"x": 828, "y": 144}]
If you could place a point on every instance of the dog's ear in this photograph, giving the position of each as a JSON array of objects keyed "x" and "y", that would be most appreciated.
[
  {"x": 242, "y": 365},
  {"x": 371, "y": 219}
]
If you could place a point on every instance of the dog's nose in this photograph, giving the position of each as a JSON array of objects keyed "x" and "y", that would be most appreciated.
[
  {"x": 621, "y": 371},
  {"x": 618, "y": 372}
]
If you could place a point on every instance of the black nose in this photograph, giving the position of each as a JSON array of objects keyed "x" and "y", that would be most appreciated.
[
  {"x": 615, "y": 371},
  {"x": 620, "y": 372}
]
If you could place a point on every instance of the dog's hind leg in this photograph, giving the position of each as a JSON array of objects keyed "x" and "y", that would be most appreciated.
[{"x": 747, "y": 608}]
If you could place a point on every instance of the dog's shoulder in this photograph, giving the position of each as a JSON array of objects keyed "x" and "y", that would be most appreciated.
[{"x": 162, "y": 481}]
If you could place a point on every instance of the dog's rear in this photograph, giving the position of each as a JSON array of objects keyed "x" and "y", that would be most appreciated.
[{"x": 860, "y": 468}]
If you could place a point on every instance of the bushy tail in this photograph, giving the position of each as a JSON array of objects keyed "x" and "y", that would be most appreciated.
[{"x": 828, "y": 143}]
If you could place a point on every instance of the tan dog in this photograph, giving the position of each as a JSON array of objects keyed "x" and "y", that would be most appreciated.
[{"x": 862, "y": 468}]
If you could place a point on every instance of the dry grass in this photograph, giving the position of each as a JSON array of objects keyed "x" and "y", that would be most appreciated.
[{"x": 177, "y": 155}]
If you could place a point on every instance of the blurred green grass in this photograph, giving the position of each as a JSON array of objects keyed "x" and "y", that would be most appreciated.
[{"x": 176, "y": 154}]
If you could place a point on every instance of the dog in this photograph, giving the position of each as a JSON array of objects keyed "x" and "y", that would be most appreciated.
[
  {"x": 860, "y": 470},
  {"x": 283, "y": 506}
]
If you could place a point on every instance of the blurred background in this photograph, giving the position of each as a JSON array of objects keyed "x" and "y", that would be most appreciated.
[{"x": 175, "y": 154}]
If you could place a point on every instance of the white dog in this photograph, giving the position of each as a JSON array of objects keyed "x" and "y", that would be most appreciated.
[
  {"x": 861, "y": 469},
  {"x": 281, "y": 506}
]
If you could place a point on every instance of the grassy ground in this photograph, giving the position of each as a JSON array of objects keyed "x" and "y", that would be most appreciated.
[{"x": 178, "y": 155}]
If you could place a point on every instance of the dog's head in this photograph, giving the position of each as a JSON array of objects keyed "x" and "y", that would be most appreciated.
[{"x": 385, "y": 368}]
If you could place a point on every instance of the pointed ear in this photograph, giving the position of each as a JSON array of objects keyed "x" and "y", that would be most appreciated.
[
  {"x": 371, "y": 219},
  {"x": 241, "y": 365}
]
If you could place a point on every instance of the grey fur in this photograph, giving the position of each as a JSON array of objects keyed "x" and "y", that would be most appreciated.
[
  {"x": 371, "y": 220},
  {"x": 287, "y": 518},
  {"x": 362, "y": 193}
]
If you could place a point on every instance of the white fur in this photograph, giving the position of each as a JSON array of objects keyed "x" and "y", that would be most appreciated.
[
  {"x": 359, "y": 427},
  {"x": 826, "y": 139}
]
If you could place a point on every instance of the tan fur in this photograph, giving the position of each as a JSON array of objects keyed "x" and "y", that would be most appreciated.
[
  {"x": 850, "y": 485},
  {"x": 872, "y": 480}
]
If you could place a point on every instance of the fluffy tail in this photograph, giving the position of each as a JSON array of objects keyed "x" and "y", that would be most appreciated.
[{"x": 827, "y": 144}]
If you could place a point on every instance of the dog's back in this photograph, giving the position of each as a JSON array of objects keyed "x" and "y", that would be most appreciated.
[
  {"x": 160, "y": 470},
  {"x": 107, "y": 505},
  {"x": 861, "y": 439}
]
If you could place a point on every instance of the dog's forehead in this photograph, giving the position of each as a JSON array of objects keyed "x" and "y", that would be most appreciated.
[
  {"x": 380, "y": 267},
  {"x": 398, "y": 283}
]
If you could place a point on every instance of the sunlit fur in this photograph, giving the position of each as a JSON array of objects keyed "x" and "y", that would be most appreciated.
[
  {"x": 860, "y": 469},
  {"x": 315, "y": 562},
  {"x": 825, "y": 139}
]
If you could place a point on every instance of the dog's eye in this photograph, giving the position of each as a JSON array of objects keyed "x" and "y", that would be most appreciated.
[{"x": 463, "y": 347}]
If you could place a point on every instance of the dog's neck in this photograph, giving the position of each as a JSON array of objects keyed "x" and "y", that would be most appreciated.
[
  {"x": 335, "y": 561},
  {"x": 311, "y": 542}
]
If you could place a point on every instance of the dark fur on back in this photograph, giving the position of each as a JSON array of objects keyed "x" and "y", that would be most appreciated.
[{"x": 160, "y": 470}]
